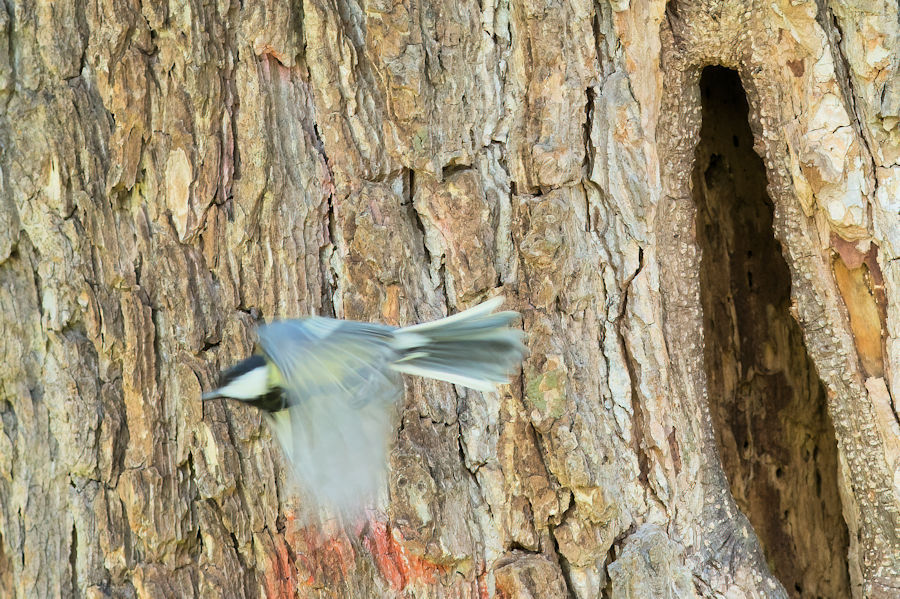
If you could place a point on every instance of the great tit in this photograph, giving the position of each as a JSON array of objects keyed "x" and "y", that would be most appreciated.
[{"x": 328, "y": 387}]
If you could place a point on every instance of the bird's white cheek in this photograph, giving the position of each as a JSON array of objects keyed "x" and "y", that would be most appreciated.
[{"x": 249, "y": 385}]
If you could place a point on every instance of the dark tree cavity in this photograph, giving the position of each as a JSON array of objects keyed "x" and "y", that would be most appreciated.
[{"x": 768, "y": 405}]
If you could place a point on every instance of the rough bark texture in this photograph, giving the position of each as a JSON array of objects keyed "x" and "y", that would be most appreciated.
[{"x": 709, "y": 407}]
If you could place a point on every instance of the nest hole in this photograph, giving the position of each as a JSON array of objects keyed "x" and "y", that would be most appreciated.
[{"x": 775, "y": 437}]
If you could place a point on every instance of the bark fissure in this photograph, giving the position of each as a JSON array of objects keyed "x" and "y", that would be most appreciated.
[
  {"x": 12, "y": 52},
  {"x": 230, "y": 137},
  {"x": 832, "y": 28},
  {"x": 73, "y": 561},
  {"x": 641, "y": 420},
  {"x": 563, "y": 563}
]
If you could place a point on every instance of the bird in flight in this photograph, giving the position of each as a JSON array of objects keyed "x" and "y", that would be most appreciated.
[{"x": 328, "y": 387}]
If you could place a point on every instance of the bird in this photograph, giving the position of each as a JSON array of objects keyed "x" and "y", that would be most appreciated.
[{"x": 328, "y": 388}]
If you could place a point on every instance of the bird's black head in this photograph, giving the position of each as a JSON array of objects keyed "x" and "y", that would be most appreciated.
[
  {"x": 248, "y": 382},
  {"x": 241, "y": 368}
]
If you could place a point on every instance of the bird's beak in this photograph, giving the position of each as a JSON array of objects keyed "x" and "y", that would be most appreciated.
[{"x": 210, "y": 395}]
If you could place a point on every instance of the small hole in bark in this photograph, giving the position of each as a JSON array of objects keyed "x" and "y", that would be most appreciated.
[{"x": 775, "y": 437}]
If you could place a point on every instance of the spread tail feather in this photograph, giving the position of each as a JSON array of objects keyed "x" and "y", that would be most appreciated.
[{"x": 475, "y": 348}]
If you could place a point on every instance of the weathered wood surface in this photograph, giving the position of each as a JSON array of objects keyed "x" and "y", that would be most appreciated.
[{"x": 171, "y": 171}]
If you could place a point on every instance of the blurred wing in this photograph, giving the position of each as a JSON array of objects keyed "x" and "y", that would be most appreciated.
[{"x": 340, "y": 392}]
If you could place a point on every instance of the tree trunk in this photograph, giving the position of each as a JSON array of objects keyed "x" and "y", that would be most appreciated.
[{"x": 705, "y": 258}]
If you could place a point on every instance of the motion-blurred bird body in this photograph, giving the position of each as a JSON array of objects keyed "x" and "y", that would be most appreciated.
[{"x": 328, "y": 388}]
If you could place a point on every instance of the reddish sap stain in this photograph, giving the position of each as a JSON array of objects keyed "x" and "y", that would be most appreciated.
[
  {"x": 397, "y": 565},
  {"x": 280, "y": 577}
]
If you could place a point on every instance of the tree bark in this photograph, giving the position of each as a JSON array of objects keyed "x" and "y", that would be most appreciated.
[{"x": 705, "y": 258}]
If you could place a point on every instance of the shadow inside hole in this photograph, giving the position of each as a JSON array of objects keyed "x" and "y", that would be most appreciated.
[{"x": 775, "y": 436}]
